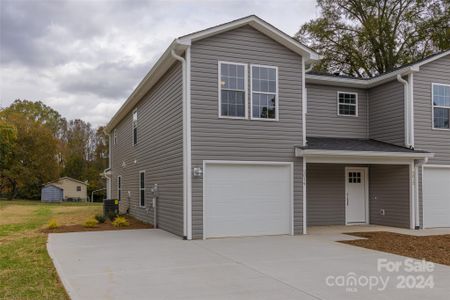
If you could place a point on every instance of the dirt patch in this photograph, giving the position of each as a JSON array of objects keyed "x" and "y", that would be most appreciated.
[
  {"x": 434, "y": 248},
  {"x": 134, "y": 224}
]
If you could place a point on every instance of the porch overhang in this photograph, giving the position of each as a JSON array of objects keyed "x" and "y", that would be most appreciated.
[{"x": 365, "y": 151}]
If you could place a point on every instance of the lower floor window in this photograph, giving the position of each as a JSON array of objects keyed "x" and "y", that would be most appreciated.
[{"x": 142, "y": 188}]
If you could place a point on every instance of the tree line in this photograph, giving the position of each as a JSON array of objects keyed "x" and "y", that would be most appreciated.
[{"x": 38, "y": 145}]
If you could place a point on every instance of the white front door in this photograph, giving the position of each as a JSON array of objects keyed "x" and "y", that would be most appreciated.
[{"x": 356, "y": 195}]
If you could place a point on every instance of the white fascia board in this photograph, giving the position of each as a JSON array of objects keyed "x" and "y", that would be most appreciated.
[
  {"x": 359, "y": 83},
  {"x": 310, "y": 153},
  {"x": 152, "y": 77},
  {"x": 262, "y": 27}
]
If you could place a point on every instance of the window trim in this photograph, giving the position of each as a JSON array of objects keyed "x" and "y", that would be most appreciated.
[
  {"x": 115, "y": 136},
  {"x": 141, "y": 188},
  {"x": 132, "y": 127},
  {"x": 356, "y": 104},
  {"x": 277, "y": 100},
  {"x": 119, "y": 190},
  {"x": 438, "y": 106},
  {"x": 219, "y": 87}
]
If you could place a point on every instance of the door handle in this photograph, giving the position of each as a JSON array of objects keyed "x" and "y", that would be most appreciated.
[{"x": 347, "y": 199}]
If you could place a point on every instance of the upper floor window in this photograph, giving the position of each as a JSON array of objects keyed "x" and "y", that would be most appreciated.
[
  {"x": 115, "y": 136},
  {"x": 142, "y": 188},
  {"x": 78, "y": 188},
  {"x": 232, "y": 90},
  {"x": 264, "y": 97},
  {"x": 135, "y": 118},
  {"x": 347, "y": 104},
  {"x": 441, "y": 106}
]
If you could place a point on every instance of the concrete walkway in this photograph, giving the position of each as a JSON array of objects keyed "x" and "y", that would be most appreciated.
[{"x": 153, "y": 264}]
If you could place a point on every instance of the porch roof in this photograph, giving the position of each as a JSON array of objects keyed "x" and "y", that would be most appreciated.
[{"x": 328, "y": 146}]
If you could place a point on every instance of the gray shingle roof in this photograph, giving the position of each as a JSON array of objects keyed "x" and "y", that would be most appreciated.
[{"x": 348, "y": 144}]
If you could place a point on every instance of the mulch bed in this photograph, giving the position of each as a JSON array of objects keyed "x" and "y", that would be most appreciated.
[
  {"x": 434, "y": 248},
  {"x": 134, "y": 224}
]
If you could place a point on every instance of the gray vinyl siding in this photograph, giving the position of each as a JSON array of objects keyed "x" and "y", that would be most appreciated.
[
  {"x": 436, "y": 141},
  {"x": 214, "y": 138},
  {"x": 325, "y": 194},
  {"x": 386, "y": 113},
  {"x": 322, "y": 119},
  {"x": 159, "y": 152},
  {"x": 389, "y": 190}
]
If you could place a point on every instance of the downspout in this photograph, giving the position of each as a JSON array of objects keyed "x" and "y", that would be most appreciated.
[
  {"x": 186, "y": 168},
  {"x": 406, "y": 109},
  {"x": 304, "y": 101},
  {"x": 108, "y": 179}
]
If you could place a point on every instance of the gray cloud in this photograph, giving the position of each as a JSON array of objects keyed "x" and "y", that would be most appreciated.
[{"x": 85, "y": 57}]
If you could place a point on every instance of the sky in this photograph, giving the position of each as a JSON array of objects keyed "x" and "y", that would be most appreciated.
[{"x": 84, "y": 58}]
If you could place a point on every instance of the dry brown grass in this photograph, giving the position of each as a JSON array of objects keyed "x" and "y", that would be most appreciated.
[
  {"x": 15, "y": 214},
  {"x": 72, "y": 215}
]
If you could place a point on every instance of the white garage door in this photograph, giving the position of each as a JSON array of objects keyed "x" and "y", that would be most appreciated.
[
  {"x": 436, "y": 197},
  {"x": 247, "y": 199}
]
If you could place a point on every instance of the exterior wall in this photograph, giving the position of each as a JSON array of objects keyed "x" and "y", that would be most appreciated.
[
  {"x": 322, "y": 118},
  {"x": 70, "y": 189},
  {"x": 159, "y": 152},
  {"x": 389, "y": 190},
  {"x": 325, "y": 194},
  {"x": 386, "y": 113},
  {"x": 214, "y": 138},
  {"x": 426, "y": 138}
]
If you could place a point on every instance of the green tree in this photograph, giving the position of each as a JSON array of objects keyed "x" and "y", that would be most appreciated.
[
  {"x": 364, "y": 38},
  {"x": 33, "y": 157}
]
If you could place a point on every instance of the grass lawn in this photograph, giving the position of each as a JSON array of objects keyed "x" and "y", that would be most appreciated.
[{"x": 26, "y": 270}]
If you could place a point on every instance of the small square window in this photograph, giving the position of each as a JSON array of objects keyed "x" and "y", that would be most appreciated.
[
  {"x": 347, "y": 104},
  {"x": 78, "y": 188}
]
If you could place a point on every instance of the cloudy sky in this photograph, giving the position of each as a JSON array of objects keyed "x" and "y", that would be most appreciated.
[{"x": 84, "y": 57}]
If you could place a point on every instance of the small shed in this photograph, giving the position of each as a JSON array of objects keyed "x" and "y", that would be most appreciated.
[{"x": 52, "y": 193}]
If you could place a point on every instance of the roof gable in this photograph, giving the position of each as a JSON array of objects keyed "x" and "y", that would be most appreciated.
[{"x": 261, "y": 26}]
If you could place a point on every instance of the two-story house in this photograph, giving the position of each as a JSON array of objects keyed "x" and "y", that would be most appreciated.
[{"x": 230, "y": 135}]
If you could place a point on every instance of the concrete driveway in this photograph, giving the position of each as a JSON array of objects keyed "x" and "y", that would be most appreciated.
[{"x": 153, "y": 264}]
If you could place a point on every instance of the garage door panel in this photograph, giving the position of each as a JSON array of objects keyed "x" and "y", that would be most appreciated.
[
  {"x": 247, "y": 199},
  {"x": 436, "y": 197}
]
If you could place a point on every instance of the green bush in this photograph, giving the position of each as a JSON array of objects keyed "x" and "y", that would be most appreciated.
[
  {"x": 112, "y": 216},
  {"x": 120, "y": 222},
  {"x": 90, "y": 223},
  {"x": 100, "y": 218}
]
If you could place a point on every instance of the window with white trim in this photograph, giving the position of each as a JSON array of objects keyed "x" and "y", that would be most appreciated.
[
  {"x": 347, "y": 104},
  {"x": 142, "y": 188},
  {"x": 115, "y": 136},
  {"x": 119, "y": 187},
  {"x": 134, "y": 124},
  {"x": 441, "y": 106},
  {"x": 264, "y": 92},
  {"x": 232, "y": 90}
]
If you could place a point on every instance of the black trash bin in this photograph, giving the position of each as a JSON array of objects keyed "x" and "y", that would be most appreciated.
[{"x": 110, "y": 208}]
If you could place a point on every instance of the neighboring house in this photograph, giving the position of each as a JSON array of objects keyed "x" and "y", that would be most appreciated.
[
  {"x": 69, "y": 190},
  {"x": 227, "y": 135}
]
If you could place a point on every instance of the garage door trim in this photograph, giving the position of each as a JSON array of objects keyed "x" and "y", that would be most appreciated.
[
  {"x": 428, "y": 166},
  {"x": 237, "y": 162}
]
